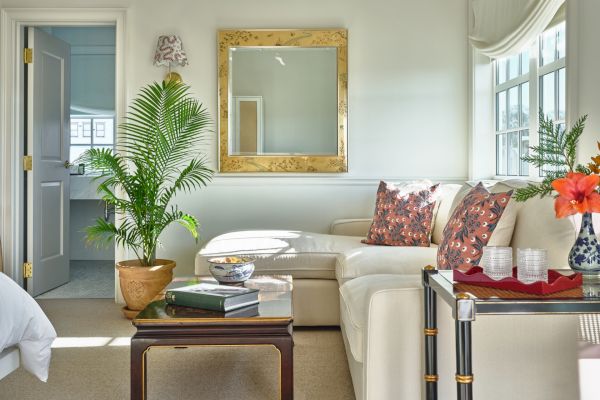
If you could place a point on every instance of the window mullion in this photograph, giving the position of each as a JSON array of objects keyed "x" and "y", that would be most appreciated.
[
  {"x": 534, "y": 107},
  {"x": 91, "y": 133},
  {"x": 512, "y": 83},
  {"x": 551, "y": 67},
  {"x": 556, "y": 96}
]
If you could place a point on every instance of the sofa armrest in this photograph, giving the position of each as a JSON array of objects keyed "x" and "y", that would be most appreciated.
[{"x": 350, "y": 227}]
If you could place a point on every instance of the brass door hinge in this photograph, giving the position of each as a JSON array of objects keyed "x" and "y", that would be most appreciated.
[
  {"x": 27, "y": 163},
  {"x": 28, "y": 55},
  {"x": 27, "y": 270}
]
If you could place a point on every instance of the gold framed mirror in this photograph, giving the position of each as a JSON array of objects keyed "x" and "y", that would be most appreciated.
[{"x": 283, "y": 100}]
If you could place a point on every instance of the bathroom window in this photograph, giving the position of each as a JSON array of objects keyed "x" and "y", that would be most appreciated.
[{"x": 89, "y": 132}]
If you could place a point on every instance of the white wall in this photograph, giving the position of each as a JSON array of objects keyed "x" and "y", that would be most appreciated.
[
  {"x": 583, "y": 16},
  {"x": 407, "y": 102}
]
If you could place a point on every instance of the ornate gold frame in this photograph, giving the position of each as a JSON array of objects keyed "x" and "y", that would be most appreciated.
[{"x": 291, "y": 38}]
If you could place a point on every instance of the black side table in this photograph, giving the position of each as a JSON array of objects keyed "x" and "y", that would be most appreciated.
[{"x": 467, "y": 302}]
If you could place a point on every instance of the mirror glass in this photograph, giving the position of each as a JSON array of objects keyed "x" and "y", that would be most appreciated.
[{"x": 284, "y": 100}]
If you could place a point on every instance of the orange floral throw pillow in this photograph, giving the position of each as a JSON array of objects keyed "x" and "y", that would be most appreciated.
[
  {"x": 402, "y": 219},
  {"x": 470, "y": 227}
]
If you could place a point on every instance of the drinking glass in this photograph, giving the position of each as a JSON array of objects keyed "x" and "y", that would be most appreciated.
[
  {"x": 497, "y": 262},
  {"x": 532, "y": 265}
]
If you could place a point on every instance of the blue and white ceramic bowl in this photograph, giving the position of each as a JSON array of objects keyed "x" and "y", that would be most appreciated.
[{"x": 231, "y": 269}]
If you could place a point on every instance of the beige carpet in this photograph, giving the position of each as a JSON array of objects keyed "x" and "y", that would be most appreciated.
[{"x": 91, "y": 361}]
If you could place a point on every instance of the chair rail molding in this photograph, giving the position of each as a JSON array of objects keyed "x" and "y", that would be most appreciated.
[{"x": 12, "y": 20}]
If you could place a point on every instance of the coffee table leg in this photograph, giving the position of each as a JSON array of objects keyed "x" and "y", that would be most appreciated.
[
  {"x": 430, "y": 331},
  {"x": 286, "y": 349},
  {"x": 138, "y": 369},
  {"x": 465, "y": 314}
]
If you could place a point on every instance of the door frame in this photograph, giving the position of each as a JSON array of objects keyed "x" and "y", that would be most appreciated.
[
  {"x": 12, "y": 133},
  {"x": 260, "y": 134}
]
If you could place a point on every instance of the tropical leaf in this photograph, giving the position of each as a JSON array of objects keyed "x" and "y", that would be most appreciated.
[
  {"x": 156, "y": 158},
  {"x": 555, "y": 156}
]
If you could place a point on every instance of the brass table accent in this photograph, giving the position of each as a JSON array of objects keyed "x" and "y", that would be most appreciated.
[
  {"x": 164, "y": 325},
  {"x": 464, "y": 378},
  {"x": 468, "y": 301}
]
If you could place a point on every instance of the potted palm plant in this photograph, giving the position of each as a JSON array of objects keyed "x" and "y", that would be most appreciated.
[{"x": 156, "y": 158}]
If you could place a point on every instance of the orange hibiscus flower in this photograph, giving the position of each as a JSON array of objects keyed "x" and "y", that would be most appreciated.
[{"x": 577, "y": 194}]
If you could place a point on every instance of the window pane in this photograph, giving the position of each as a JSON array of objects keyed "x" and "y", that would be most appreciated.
[
  {"x": 501, "y": 111},
  {"x": 501, "y": 70},
  {"x": 561, "y": 40},
  {"x": 525, "y": 62},
  {"x": 76, "y": 152},
  {"x": 513, "y": 107},
  {"x": 513, "y": 153},
  {"x": 547, "y": 88},
  {"x": 87, "y": 129},
  {"x": 562, "y": 112},
  {"x": 103, "y": 131},
  {"x": 501, "y": 154},
  {"x": 81, "y": 131},
  {"x": 524, "y": 151},
  {"x": 548, "y": 47},
  {"x": 525, "y": 104},
  {"x": 513, "y": 67}
]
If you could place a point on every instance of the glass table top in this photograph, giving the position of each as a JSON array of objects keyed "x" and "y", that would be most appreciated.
[
  {"x": 585, "y": 299},
  {"x": 275, "y": 305}
]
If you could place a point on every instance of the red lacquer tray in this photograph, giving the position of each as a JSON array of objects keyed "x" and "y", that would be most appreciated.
[{"x": 556, "y": 281}]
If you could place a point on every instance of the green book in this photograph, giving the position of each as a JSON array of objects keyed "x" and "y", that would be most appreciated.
[
  {"x": 175, "y": 311},
  {"x": 212, "y": 297}
]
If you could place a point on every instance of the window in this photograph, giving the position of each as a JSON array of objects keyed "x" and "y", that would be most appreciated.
[
  {"x": 91, "y": 132},
  {"x": 541, "y": 68}
]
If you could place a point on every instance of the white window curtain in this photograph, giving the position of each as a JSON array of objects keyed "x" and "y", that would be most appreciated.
[{"x": 503, "y": 27}]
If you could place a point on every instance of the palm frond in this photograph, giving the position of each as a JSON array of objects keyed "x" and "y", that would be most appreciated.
[{"x": 156, "y": 158}]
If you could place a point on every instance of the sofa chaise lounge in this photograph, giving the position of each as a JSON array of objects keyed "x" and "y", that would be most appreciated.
[{"x": 374, "y": 294}]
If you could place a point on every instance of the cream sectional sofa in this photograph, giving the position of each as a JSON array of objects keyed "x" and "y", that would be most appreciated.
[{"x": 374, "y": 294}]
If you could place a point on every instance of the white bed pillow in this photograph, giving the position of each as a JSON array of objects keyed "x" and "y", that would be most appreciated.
[{"x": 23, "y": 323}]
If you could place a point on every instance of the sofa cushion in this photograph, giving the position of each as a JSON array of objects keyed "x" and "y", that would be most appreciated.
[
  {"x": 506, "y": 226},
  {"x": 537, "y": 226},
  {"x": 470, "y": 227},
  {"x": 402, "y": 218},
  {"x": 445, "y": 195},
  {"x": 355, "y": 299},
  {"x": 350, "y": 226},
  {"x": 370, "y": 260},
  {"x": 296, "y": 253}
]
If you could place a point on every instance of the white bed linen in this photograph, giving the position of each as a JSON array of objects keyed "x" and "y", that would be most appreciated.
[
  {"x": 24, "y": 324},
  {"x": 9, "y": 361}
]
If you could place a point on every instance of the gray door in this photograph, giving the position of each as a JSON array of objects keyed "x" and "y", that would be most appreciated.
[{"x": 48, "y": 105}]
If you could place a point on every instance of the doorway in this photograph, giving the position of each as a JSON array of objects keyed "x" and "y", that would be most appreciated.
[
  {"x": 13, "y": 231},
  {"x": 92, "y": 125}
]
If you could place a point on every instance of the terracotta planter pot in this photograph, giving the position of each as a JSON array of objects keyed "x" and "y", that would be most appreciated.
[{"x": 140, "y": 285}]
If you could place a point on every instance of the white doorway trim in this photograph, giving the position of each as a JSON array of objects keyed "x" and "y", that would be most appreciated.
[{"x": 12, "y": 203}]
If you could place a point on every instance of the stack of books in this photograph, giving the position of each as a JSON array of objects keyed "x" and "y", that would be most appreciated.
[{"x": 233, "y": 301}]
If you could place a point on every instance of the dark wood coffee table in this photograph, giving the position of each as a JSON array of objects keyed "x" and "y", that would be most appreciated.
[{"x": 162, "y": 325}]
